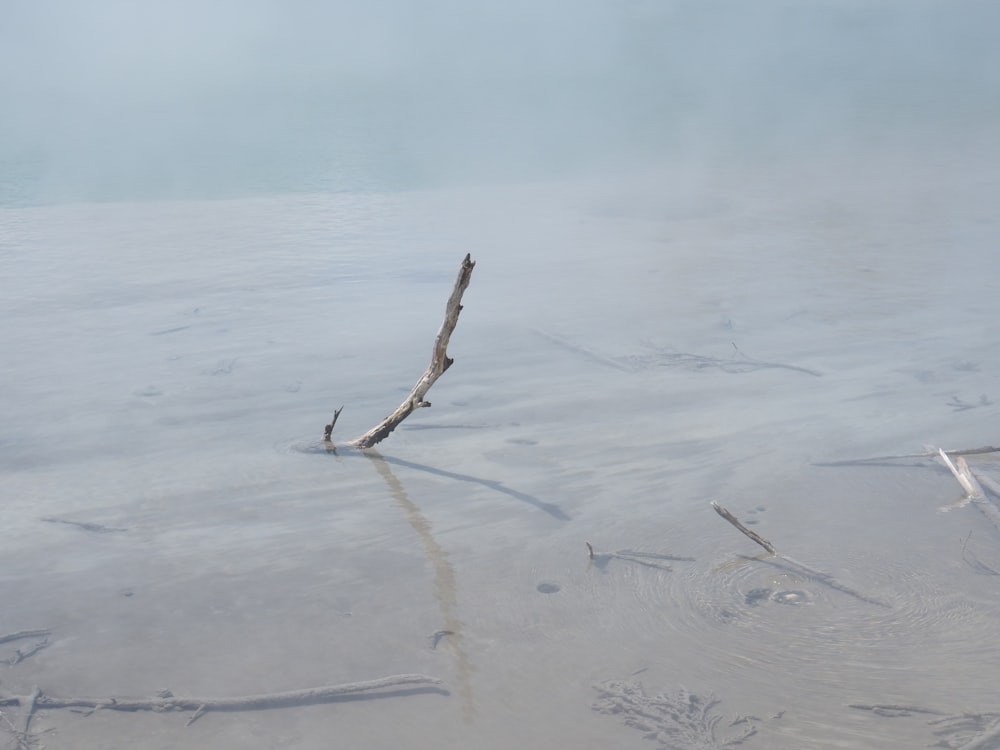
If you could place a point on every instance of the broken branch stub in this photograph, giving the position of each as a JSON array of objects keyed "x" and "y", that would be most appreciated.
[{"x": 440, "y": 361}]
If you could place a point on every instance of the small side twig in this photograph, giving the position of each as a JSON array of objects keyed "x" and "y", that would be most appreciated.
[{"x": 328, "y": 430}]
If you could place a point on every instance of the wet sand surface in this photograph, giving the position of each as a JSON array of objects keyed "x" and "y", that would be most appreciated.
[{"x": 169, "y": 368}]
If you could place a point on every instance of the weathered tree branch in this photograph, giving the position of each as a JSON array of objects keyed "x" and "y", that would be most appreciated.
[
  {"x": 973, "y": 489},
  {"x": 930, "y": 453},
  {"x": 40, "y": 701},
  {"x": 440, "y": 361},
  {"x": 736, "y": 522}
]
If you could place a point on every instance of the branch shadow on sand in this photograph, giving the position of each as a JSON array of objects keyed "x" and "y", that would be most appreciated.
[
  {"x": 551, "y": 508},
  {"x": 445, "y": 583}
]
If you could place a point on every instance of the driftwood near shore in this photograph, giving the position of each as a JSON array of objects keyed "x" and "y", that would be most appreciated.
[
  {"x": 783, "y": 561},
  {"x": 440, "y": 361},
  {"x": 395, "y": 685},
  {"x": 974, "y": 491},
  {"x": 20, "y": 654},
  {"x": 657, "y": 560},
  {"x": 972, "y": 483},
  {"x": 969, "y": 730},
  {"x": 929, "y": 453}
]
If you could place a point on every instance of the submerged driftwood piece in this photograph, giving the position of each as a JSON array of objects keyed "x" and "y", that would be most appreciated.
[
  {"x": 894, "y": 709},
  {"x": 930, "y": 453},
  {"x": 658, "y": 560},
  {"x": 304, "y": 697},
  {"x": 20, "y": 654},
  {"x": 25, "y": 634},
  {"x": 440, "y": 361},
  {"x": 968, "y": 731},
  {"x": 684, "y": 720},
  {"x": 736, "y": 522},
  {"x": 786, "y": 562},
  {"x": 666, "y": 357},
  {"x": 973, "y": 489},
  {"x": 98, "y": 528},
  {"x": 964, "y": 731}
]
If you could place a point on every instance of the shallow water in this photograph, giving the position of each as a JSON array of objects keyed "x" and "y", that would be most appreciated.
[{"x": 628, "y": 352}]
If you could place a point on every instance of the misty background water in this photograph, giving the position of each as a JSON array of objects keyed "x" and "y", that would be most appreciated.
[
  {"x": 717, "y": 244},
  {"x": 113, "y": 101}
]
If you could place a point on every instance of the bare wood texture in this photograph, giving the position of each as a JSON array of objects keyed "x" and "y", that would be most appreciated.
[
  {"x": 964, "y": 477},
  {"x": 440, "y": 361},
  {"x": 973, "y": 489},
  {"x": 303, "y": 697},
  {"x": 736, "y": 522}
]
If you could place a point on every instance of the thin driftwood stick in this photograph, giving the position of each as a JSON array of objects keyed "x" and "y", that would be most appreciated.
[
  {"x": 328, "y": 430},
  {"x": 440, "y": 361},
  {"x": 736, "y": 522},
  {"x": 247, "y": 703},
  {"x": 24, "y": 634},
  {"x": 925, "y": 454},
  {"x": 964, "y": 478},
  {"x": 96, "y": 527},
  {"x": 786, "y": 562},
  {"x": 894, "y": 709}
]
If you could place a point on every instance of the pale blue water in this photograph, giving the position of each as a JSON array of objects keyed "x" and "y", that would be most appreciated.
[
  {"x": 212, "y": 167},
  {"x": 112, "y": 104},
  {"x": 188, "y": 293}
]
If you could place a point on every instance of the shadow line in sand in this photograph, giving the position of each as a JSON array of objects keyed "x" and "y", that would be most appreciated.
[
  {"x": 551, "y": 508},
  {"x": 445, "y": 585}
]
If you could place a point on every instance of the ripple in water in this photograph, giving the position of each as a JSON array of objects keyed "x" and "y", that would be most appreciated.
[{"x": 780, "y": 617}]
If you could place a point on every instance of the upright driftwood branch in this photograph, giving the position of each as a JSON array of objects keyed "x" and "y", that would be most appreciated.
[{"x": 440, "y": 361}]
